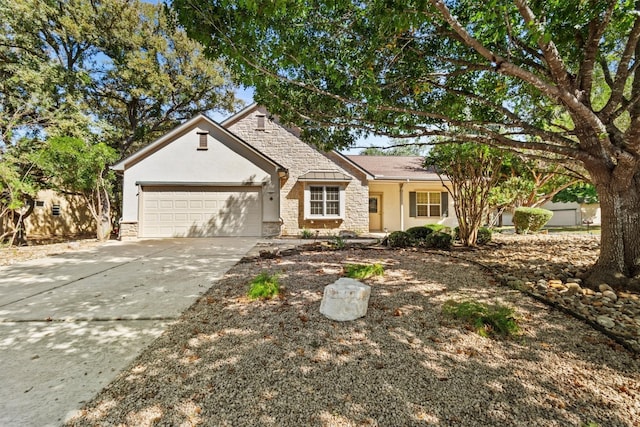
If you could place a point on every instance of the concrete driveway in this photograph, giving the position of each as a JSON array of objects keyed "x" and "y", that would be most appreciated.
[{"x": 69, "y": 323}]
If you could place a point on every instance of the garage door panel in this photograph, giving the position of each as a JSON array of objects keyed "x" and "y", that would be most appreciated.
[
  {"x": 563, "y": 218},
  {"x": 189, "y": 212}
]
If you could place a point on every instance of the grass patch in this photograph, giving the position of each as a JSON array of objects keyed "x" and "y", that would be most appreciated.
[
  {"x": 264, "y": 286},
  {"x": 363, "y": 271},
  {"x": 576, "y": 229},
  {"x": 487, "y": 320}
]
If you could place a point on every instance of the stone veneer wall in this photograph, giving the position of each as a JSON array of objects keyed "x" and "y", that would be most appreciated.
[
  {"x": 128, "y": 230},
  {"x": 287, "y": 149}
]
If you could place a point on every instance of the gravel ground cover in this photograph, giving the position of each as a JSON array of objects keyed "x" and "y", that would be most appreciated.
[
  {"x": 12, "y": 254},
  {"x": 230, "y": 361}
]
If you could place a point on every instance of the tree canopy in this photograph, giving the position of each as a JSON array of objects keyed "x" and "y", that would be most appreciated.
[
  {"x": 558, "y": 78},
  {"x": 107, "y": 73}
]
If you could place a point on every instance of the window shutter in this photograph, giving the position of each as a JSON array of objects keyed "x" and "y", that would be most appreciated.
[
  {"x": 444, "y": 204},
  {"x": 412, "y": 204}
]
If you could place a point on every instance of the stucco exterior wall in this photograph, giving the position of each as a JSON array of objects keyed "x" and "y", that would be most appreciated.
[
  {"x": 396, "y": 218},
  {"x": 287, "y": 149},
  {"x": 180, "y": 161}
]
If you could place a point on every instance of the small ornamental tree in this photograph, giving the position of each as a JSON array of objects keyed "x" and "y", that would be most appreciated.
[
  {"x": 76, "y": 166},
  {"x": 473, "y": 171},
  {"x": 16, "y": 202}
]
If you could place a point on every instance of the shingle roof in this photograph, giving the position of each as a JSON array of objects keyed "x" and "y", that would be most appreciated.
[{"x": 395, "y": 167}]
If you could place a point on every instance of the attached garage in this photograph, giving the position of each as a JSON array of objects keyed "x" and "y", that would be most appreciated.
[
  {"x": 200, "y": 211},
  {"x": 563, "y": 217}
]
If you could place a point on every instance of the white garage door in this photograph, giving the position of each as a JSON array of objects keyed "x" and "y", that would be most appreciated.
[
  {"x": 563, "y": 217},
  {"x": 200, "y": 212}
]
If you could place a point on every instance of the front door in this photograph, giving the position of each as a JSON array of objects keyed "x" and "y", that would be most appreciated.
[{"x": 375, "y": 212}]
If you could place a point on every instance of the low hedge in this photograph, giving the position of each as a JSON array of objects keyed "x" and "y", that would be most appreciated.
[
  {"x": 419, "y": 233},
  {"x": 439, "y": 240},
  {"x": 400, "y": 239},
  {"x": 530, "y": 219}
]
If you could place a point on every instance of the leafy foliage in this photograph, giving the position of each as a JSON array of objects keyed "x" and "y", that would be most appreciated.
[
  {"x": 363, "y": 271},
  {"x": 487, "y": 320},
  {"x": 116, "y": 72},
  {"x": 484, "y": 235},
  {"x": 551, "y": 79},
  {"x": 400, "y": 239},
  {"x": 530, "y": 219},
  {"x": 338, "y": 242},
  {"x": 307, "y": 234},
  {"x": 418, "y": 233},
  {"x": 438, "y": 240},
  {"x": 473, "y": 171},
  {"x": 264, "y": 286},
  {"x": 437, "y": 227},
  {"x": 76, "y": 166},
  {"x": 579, "y": 193}
]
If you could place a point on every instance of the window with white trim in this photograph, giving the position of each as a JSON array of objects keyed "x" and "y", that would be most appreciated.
[
  {"x": 428, "y": 203},
  {"x": 324, "y": 201}
]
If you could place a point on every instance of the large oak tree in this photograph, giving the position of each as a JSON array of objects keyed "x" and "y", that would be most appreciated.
[{"x": 554, "y": 77}]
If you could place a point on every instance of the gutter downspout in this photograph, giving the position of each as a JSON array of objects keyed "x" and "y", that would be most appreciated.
[{"x": 401, "y": 206}]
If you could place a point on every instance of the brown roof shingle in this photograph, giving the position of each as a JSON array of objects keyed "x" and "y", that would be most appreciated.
[{"x": 395, "y": 167}]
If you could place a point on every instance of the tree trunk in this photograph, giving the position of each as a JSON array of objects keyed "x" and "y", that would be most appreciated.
[{"x": 619, "y": 262}]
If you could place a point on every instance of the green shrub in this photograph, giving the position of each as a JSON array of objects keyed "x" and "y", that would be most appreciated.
[
  {"x": 338, "y": 242},
  {"x": 530, "y": 219},
  {"x": 307, "y": 234},
  {"x": 419, "y": 233},
  {"x": 438, "y": 227},
  {"x": 484, "y": 235},
  {"x": 400, "y": 239},
  {"x": 264, "y": 286},
  {"x": 438, "y": 240},
  {"x": 363, "y": 271},
  {"x": 487, "y": 320}
]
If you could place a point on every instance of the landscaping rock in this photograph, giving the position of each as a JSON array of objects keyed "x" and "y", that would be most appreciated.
[
  {"x": 605, "y": 321},
  {"x": 345, "y": 299},
  {"x": 611, "y": 295},
  {"x": 573, "y": 289},
  {"x": 604, "y": 287}
]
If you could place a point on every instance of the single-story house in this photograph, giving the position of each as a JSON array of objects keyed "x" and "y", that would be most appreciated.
[{"x": 252, "y": 176}]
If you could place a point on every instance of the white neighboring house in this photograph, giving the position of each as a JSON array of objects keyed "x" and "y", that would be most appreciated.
[{"x": 566, "y": 214}]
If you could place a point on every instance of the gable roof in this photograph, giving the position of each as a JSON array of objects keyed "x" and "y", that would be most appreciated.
[
  {"x": 334, "y": 155},
  {"x": 395, "y": 168},
  {"x": 171, "y": 135}
]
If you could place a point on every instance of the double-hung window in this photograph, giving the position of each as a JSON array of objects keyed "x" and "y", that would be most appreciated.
[
  {"x": 324, "y": 201},
  {"x": 428, "y": 204}
]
